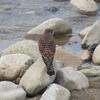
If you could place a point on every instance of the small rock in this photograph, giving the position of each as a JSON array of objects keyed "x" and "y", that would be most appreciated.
[
  {"x": 87, "y": 94},
  {"x": 53, "y": 9},
  {"x": 68, "y": 58},
  {"x": 71, "y": 79},
  {"x": 85, "y": 6},
  {"x": 11, "y": 91},
  {"x": 36, "y": 78},
  {"x": 92, "y": 36},
  {"x": 58, "y": 25},
  {"x": 27, "y": 47},
  {"x": 6, "y": 9},
  {"x": 55, "y": 92},
  {"x": 14, "y": 65},
  {"x": 85, "y": 31},
  {"x": 96, "y": 55},
  {"x": 85, "y": 55}
]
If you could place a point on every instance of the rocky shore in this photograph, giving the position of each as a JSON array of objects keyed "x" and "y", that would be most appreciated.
[{"x": 23, "y": 74}]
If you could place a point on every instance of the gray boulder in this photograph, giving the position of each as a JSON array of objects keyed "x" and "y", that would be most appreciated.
[
  {"x": 36, "y": 78},
  {"x": 71, "y": 79},
  {"x": 27, "y": 47},
  {"x": 11, "y": 91},
  {"x": 56, "y": 92},
  {"x": 14, "y": 65},
  {"x": 59, "y": 26},
  {"x": 85, "y": 6}
]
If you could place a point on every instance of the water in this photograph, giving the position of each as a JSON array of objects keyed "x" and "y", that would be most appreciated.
[
  {"x": 19, "y": 16},
  {"x": 6, "y": 43}
]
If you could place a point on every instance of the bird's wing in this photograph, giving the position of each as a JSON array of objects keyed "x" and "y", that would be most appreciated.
[
  {"x": 42, "y": 46},
  {"x": 47, "y": 48},
  {"x": 52, "y": 48}
]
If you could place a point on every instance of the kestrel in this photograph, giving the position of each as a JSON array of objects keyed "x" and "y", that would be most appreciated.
[{"x": 47, "y": 49}]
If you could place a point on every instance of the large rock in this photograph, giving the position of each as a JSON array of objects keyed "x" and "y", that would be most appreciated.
[
  {"x": 90, "y": 70},
  {"x": 55, "y": 92},
  {"x": 96, "y": 55},
  {"x": 11, "y": 91},
  {"x": 28, "y": 47},
  {"x": 92, "y": 36},
  {"x": 36, "y": 78},
  {"x": 14, "y": 65},
  {"x": 59, "y": 26},
  {"x": 87, "y": 94},
  {"x": 68, "y": 58},
  {"x": 72, "y": 79},
  {"x": 85, "y": 6}
]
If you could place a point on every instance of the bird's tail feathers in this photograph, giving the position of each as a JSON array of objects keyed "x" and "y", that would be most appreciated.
[{"x": 50, "y": 70}]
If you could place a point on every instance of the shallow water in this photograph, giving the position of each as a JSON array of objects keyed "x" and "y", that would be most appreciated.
[{"x": 19, "y": 16}]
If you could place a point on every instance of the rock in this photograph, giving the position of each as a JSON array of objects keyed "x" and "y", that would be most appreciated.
[
  {"x": 71, "y": 79},
  {"x": 96, "y": 55},
  {"x": 53, "y": 9},
  {"x": 36, "y": 78},
  {"x": 85, "y": 55},
  {"x": 67, "y": 58},
  {"x": 28, "y": 47},
  {"x": 92, "y": 36},
  {"x": 87, "y": 94},
  {"x": 59, "y": 26},
  {"x": 85, "y": 6},
  {"x": 85, "y": 31},
  {"x": 56, "y": 92},
  {"x": 11, "y": 91},
  {"x": 14, "y": 65},
  {"x": 91, "y": 70}
]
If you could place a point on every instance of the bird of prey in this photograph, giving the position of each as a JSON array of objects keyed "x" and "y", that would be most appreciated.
[{"x": 47, "y": 48}]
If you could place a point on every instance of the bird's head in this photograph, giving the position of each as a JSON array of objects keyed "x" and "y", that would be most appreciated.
[{"x": 49, "y": 32}]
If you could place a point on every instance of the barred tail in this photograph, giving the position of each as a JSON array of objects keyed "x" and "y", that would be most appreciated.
[
  {"x": 49, "y": 64},
  {"x": 50, "y": 70}
]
